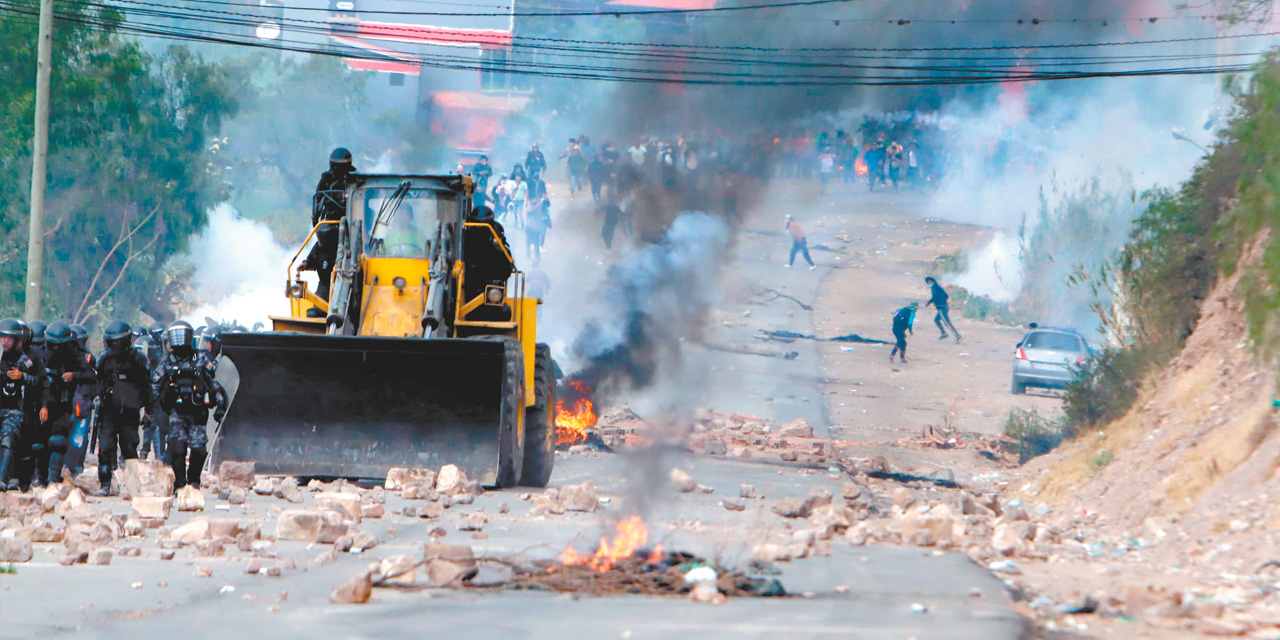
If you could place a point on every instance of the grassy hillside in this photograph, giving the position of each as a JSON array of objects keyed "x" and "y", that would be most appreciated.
[{"x": 1181, "y": 245}]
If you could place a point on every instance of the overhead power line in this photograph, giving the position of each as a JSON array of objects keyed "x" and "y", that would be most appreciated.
[{"x": 912, "y": 77}]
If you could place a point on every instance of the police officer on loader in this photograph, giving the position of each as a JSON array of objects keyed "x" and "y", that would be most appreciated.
[
  {"x": 70, "y": 368},
  {"x": 19, "y": 379},
  {"x": 329, "y": 204},
  {"x": 125, "y": 382},
  {"x": 186, "y": 389}
]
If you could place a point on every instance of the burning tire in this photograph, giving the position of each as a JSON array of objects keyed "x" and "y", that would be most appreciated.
[{"x": 539, "y": 423}]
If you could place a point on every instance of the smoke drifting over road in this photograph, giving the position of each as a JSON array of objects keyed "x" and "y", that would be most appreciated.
[{"x": 653, "y": 300}]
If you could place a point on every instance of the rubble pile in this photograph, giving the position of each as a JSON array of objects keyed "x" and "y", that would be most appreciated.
[
  {"x": 1035, "y": 549},
  {"x": 716, "y": 434}
]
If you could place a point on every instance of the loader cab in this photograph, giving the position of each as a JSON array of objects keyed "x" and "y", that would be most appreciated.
[{"x": 399, "y": 222}]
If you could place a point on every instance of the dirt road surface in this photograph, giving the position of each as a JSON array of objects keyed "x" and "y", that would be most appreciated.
[{"x": 849, "y": 392}]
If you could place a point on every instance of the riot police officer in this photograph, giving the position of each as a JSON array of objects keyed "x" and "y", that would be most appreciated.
[
  {"x": 186, "y": 389},
  {"x": 125, "y": 385},
  {"x": 155, "y": 423},
  {"x": 70, "y": 369},
  {"x": 19, "y": 379},
  {"x": 35, "y": 349},
  {"x": 329, "y": 204}
]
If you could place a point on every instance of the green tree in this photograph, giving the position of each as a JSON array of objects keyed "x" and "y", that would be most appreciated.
[{"x": 131, "y": 166}]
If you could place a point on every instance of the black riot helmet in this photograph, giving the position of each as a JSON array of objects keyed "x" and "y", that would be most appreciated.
[
  {"x": 14, "y": 328},
  {"x": 59, "y": 336},
  {"x": 482, "y": 214},
  {"x": 156, "y": 331},
  {"x": 181, "y": 337},
  {"x": 118, "y": 336},
  {"x": 37, "y": 333},
  {"x": 212, "y": 342},
  {"x": 82, "y": 335},
  {"x": 340, "y": 161}
]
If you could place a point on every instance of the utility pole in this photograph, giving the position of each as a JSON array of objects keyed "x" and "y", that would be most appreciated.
[{"x": 39, "y": 163}]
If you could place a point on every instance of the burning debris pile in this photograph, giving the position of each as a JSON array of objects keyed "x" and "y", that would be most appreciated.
[
  {"x": 624, "y": 565},
  {"x": 575, "y": 414}
]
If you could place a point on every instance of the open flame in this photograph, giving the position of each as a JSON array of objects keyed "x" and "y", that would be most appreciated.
[
  {"x": 860, "y": 166},
  {"x": 574, "y": 415},
  {"x": 632, "y": 534}
]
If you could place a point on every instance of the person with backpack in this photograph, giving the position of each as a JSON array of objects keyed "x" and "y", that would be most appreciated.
[{"x": 903, "y": 321}]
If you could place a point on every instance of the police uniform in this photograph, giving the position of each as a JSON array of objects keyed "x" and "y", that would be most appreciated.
[
  {"x": 125, "y": 381},
  {"x": 185, "y": 387},
  {"x": 154, "y": 421},
  {"x": 329, "y": 204},
  {"x": 66, "y": 402},
  {"x": 15, "y": 393}
]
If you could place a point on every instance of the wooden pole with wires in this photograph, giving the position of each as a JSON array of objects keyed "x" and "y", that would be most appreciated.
[{"x": 39, "y": 164}]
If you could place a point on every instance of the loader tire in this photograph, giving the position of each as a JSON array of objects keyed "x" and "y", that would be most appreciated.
[
  {"x": 539, "y": 423},
  {"x": 510, "y": 453}
]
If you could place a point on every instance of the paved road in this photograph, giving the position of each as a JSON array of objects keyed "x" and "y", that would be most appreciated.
[{"x": 46, "y": 600}]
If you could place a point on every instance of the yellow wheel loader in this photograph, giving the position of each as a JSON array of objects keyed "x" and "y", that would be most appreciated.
[{"x": 425, "y": 353}]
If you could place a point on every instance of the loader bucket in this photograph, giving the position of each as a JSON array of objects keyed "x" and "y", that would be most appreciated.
[{"x": 354, "y": 407}]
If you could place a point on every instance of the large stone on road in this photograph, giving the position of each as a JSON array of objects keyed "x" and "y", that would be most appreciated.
[
  {"x": 354, "y": 591},
  {"x": 15, "y": 549},
  {"x": 232, "y": 473}
]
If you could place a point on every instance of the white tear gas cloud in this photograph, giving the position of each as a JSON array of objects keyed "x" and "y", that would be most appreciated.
[{"x": 239, "y": 270}]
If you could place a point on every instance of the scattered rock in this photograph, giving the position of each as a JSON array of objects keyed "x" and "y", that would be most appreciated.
[
  {"x": 233, "y": 474},
  {"x": 798, "y": 428},
  {"x": 348, "y": 504},
  {"x": 448, "y": 564},
  {"x": 450, "y": 479},
  {"x": 190, "y": 499},
  {"x": 579, "y": 497},
  {"x": 299, "y": 524},
  {"x": 771, "y": 553},
  {"x": 850, "y": 490},
  {"x": 746, "y": 491},
  {"x": 374, "y": 510},
  {"x": 237, "y": 495},
  {"x": 167, "y": 554},
  {"x": 716, "y": 447},
  {"x": 733, "y": 505},
  {"x": 1010, "y": 538},
  {"x": 101, "y": 557},
  {"x": 15, "y": 549},
  {"x": 474, "y": 522},
  {"x": 151, "y": 507},
  {"x": 147, "y": 478},
  {"x": 399, "y": 479},
  {"x": 792, "y": 508},
  {"x": 682, "y": 482},
  {"x": 429, "y": 510},
  {"x": 264, "y": 486},
  {"x": 364, "y": 541},
  {"x": 902, "y": 498},
  {"x": 398, "y": 569},
  {"x": 354, "y": 591},
  {"x": 191, "y": 532}
]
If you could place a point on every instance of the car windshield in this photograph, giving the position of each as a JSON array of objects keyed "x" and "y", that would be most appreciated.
[
  {"x": 409, "y": 225},
  {"x": 1054, "y": 341}
]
